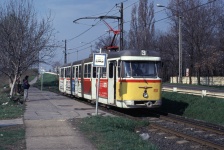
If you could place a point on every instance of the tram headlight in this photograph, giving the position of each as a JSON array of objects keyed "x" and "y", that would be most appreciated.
[{"x": 145, "y": 94}]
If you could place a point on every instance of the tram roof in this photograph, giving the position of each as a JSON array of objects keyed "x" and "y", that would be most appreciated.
[{"x": 116, "y": 54}]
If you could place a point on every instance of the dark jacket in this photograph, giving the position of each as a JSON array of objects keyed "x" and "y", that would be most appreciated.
[{"x": 26, "y": 84}]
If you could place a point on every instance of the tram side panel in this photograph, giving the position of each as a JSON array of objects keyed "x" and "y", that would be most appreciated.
[
  {"x": 62, "y": 80},
  {"x": 87, "y": 88},
  {"x": 61, "y": 85}
]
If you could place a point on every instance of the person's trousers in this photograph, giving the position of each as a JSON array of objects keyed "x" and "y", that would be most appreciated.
[{"x": 25, "y": 94}]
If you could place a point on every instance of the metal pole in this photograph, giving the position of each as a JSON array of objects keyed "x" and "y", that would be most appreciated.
[
  {"x": 180, "y": 46},
  {"x": 121, "y": 29},
  {"x": 98, "y": 88},
  {"x": 42, "y": 77},
  {"x": 65, "y": 60},
  {"x": 77, "y": 55},
  {"x": 180, "y": 51}
]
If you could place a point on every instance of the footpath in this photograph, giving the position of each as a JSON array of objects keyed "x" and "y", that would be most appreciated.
[{"x": 46, "y": 122}]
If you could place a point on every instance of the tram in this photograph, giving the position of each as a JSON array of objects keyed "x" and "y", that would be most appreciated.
[{"x": 129, "y": 80}]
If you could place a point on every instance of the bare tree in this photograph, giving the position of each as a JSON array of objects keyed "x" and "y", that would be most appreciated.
[
  {"x": 199, "y": 30},
  {"x": 141, "y": 34},
  {"x": 24, "y": 41},
  {"x": 169, "y": 53},
  {"x": 55, "y": 66}
]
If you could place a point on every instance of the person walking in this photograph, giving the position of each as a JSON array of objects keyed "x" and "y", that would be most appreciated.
[{"x": 26, "y": 86}]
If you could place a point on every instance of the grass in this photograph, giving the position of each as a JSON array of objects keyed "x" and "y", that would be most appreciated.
[
  {"x": 10, "y": 109},
  {"x": 114, "y": 133},
  {"x": 207, "y": 108},
  {"x": 50, "y": 82},
  {"x": 12, "y": 137}
]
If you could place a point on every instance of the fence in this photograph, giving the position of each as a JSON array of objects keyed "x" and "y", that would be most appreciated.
[
  {"x": 201, "y": 93},
  {"x": 203, "y": 80}
]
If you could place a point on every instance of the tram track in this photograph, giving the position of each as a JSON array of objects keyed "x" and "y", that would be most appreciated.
[
  {"x": 208, "y": 136},
  {"x": 189, "y": 137},
  {"x": 201, "y": 132}
]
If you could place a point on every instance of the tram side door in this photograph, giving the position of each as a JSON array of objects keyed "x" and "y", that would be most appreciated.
[
  {"x": 76, "y": 81},
  {"x": 93, "y": 83},
  {"x": 111, "y": 82}
]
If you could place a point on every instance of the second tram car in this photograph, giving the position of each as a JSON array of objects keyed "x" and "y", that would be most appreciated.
[{"x": 129, "y": 80}]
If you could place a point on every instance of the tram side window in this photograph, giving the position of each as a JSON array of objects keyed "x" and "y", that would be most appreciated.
[
  {"x": 94, "y": 72},
  {"x": 68, "y": 72},
  {"x": 103, "y": 72},
  {"x": 89, "y": 71},
  {"x": 76, "y": 72},
  {"x": 73, "y": 71},
  {"x": 62, "y": 73},
  {"x": 80, "y": 70},
  {"x": 111, "y": 70},
  {"x": 85, "y": 71}
]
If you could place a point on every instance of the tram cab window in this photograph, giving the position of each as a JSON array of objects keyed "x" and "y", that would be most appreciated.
[{"x": 139, "y": 69}]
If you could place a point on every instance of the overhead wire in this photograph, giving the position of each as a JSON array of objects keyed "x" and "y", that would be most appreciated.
[
  {"x": 97, "y": 22},
  {"x": 90, "y": 27},
  {"x": 77, "y": 49}
]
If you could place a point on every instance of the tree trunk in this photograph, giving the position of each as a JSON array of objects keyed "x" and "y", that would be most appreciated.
[{"x": 12, "y": 87}]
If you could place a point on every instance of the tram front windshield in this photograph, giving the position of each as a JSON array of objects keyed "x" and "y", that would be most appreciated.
[{"x": 138, "y": 69}]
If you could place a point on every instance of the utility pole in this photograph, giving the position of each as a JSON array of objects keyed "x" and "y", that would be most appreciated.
[
  {"x": 121, "y": 28},
  {"x": 65, "y": 59},
  {"x": 180, "y": 50}
]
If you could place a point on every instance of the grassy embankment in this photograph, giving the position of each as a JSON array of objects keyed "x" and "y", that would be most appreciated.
[
  {"x": 209, "y": 109},
  {"x": 11, "y": 137},
  {"x": 50, "y": 82}
]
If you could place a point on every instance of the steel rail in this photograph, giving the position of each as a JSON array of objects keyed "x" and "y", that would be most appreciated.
[
  {"x": 189, "y": 137},
  {"x": 192, "y": 124}
]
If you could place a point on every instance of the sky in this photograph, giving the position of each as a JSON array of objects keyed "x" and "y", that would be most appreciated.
[{"x": 81, "y": 35}]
